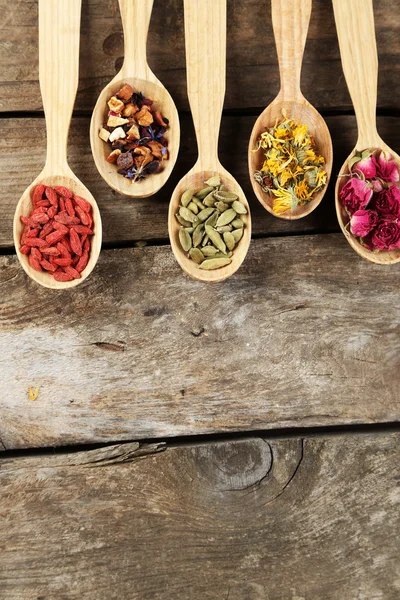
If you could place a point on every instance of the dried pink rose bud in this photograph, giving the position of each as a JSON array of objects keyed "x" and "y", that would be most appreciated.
[
  {"x": 355, "y": 194},
  {"x": 362, "y": 222},
  {"x": 376, "y": 185},
  {"x": 366, "y": 166},
  {"x": 386, "y": 168}
]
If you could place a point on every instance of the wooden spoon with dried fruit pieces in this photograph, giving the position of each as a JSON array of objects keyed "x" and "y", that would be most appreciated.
[
  {"x": 290, "y": 20},
  {"x": 136, "y": 72},
  {"x": 59, "y": 31},
  {"x": 356, "y": 33},
  {"x": 205, "y": 39}
]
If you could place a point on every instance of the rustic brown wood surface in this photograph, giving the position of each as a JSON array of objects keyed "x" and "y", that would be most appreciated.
[
  {"x": 147, "y": 219},
  {"x": 306, "y": 333},
  {"x": 253, "y": 519},
  {"x": 252, "y": 71}
]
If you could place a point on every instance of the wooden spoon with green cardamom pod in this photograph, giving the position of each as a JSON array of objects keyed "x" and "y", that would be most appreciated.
[{"x": 205, "y": 38}]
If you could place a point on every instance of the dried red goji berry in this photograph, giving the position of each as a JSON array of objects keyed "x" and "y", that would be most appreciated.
[
  {"x": 73, "y": 272},
  {"x": 31, "y": 232},
  {"x": 51, "y": 195},
  {"x": 70, "y": 207},
  {"x": 63, "y": 191},
  {"x": 83, "y": 261},
  {"x": 82, "y": 203},
  {"x": 75, "y": 242},
  {"x": 40, "y": 218},
  {"x": 62, "y": 204},
  {"x": 25, "y": 249},
  {"x": 50, "y": 250},
  {"x": 40, "y": 210},
  {"x": 47, "y": 228},
  {"x": 52, "y": 211},
  {"x": 86, "y": 245},
  {"x": 36, "y": 253},
  {"x": 36, "y": 242},
  {"x": 35, "y": 263},
  {"x": 60, "y": 226},
  {"x": 62, "y": 248},
  {"x": 66, "y": 243},
  {"x": 82, "y": 229},
  {"x": 47, "y": 265},
  {"x": 60, "y": 275},
  {"x": 63, "y": 262},
  {"x": 66, "y": 219},
  {"x": 54, "y": 237},
  {"x": 44, "y": 203},
  {"x": 38, "y": 193},
  {"x": 27, "y": 221},
  {"x": 84, "y": 216}
]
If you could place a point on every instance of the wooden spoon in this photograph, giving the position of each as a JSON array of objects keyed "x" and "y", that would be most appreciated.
[
  {"x": 205, "y": 38},
  {"x": 59, "y": 30},
  {"x": 290, "y": 19},
  {"x": 356, "y": 32},
  {"x": 135, "y": 71}
]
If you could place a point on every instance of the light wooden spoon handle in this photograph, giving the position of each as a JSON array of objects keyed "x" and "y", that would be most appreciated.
[
  {"x": 356, "y": 33},
  {"x": 290, "y": 20},
  {"x": 205, "y": 39},
  {"x": 136, "y": 15},
  {"x": 59, "y": 29}
]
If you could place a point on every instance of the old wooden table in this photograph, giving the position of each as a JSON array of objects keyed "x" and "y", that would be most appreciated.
[{"x": 287, "y": 374}]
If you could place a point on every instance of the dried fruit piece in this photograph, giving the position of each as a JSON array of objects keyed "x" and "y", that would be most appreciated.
[
  {"x": 125, "y": 93},
  {"x": 75, "y": 242},
  {"x": 82, "y": 203},
  {"x": 82, "y": 262},
  {"x": 38, "y": 193},
  {"x": 63, "y": 191},
  {"x": 60, "y": 275},
  {"x": 51, "y": 195}
]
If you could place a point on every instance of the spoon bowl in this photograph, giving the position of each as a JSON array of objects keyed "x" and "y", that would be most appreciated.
[
  {"x": 195, "y": 179},
  {"x": 136, "y": 72},
  {"x": 380, "y": 258},
  {"x": 24, "y": 208},
  {"x": 355, "y": 24},
  {"x": 300, "y": 111}
]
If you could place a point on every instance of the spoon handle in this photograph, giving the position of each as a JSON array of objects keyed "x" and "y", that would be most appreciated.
[
  {"x": 59, "y": 27},
  {"x": 356, "y": 33},
  {"x": 290, "y": 20},
  {"x": 205, "y": 39},
  {"x": 136, "y": 15}
]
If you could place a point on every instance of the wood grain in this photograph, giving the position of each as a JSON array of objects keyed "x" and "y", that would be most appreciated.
[
  {"x": 147, "y": 219},
  {"x": 251, "y": 56},
  {"x": 252, "y": 519},
  {"x": 305, "y": 334}
]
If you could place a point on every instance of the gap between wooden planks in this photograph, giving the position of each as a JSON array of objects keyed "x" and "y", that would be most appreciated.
[
  {"x": 306, "y": 334},
  {"x": 262, "y": 518},
  {"x": 252, "y": 70},
  {"x": 126, "y": 220}
]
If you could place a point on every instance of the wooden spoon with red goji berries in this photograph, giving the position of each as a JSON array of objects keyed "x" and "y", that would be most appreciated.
[{"x": 57, "y": 189}]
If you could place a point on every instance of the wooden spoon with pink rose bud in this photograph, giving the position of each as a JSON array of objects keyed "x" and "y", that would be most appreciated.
[
  {"x": 59, "y": 30},
  {"x": 290, "y": 20},
  {"x": 136, "y": 72},
  {"x": 356, "y": 33}
]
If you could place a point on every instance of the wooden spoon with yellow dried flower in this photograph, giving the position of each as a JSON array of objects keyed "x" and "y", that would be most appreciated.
[{"x": 290, "y": 149}]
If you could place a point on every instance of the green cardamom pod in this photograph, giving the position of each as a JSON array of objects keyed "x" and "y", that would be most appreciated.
[
  {"x": 213, "y": 219},
  {"x": 226, "y": 196},
  {"x": 214, "y": 263},
  {"x": 224, "y": 228},
  {"x": 229, "y": 240},
  {"x": 189, "y": 229},
  {"x": 193, "y": 207},
  {"x": 239, "y": 207},
  {"x": 237, "y": 223},
  {"x": 209, "y": 250},
  {"x": 205, "y": 213},
  {"x": 198, "y": 203},
  {"x": 187, "y": 214},
  {"x": 209, "y": 200},
  {"x": 198, "y": 234},
  {"x": 221, "y": 255},
  {"x": 221, "y": 206},
  {"x": 204, "y": 192},
  {"x": 213, "y": 181},
  {"x": 237, "y": 235},
  {"x": 226, "y": 217},
  {"x": 205, "y": 241},
  {"x": 185, "y": 240},
  {"x": 196, "y": 255},
  {"x": 186, "y": 197},
  {"x": 216, "y": 238},
  {"x": 183, "y": 221}
]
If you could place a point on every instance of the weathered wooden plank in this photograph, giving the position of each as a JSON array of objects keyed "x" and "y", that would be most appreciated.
[
  {"x": 252, "y": 71},
  {"x": 306, "y": 334},
  {"x": 146, "y": 219},
  {"x": 252, "y": 519}
]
